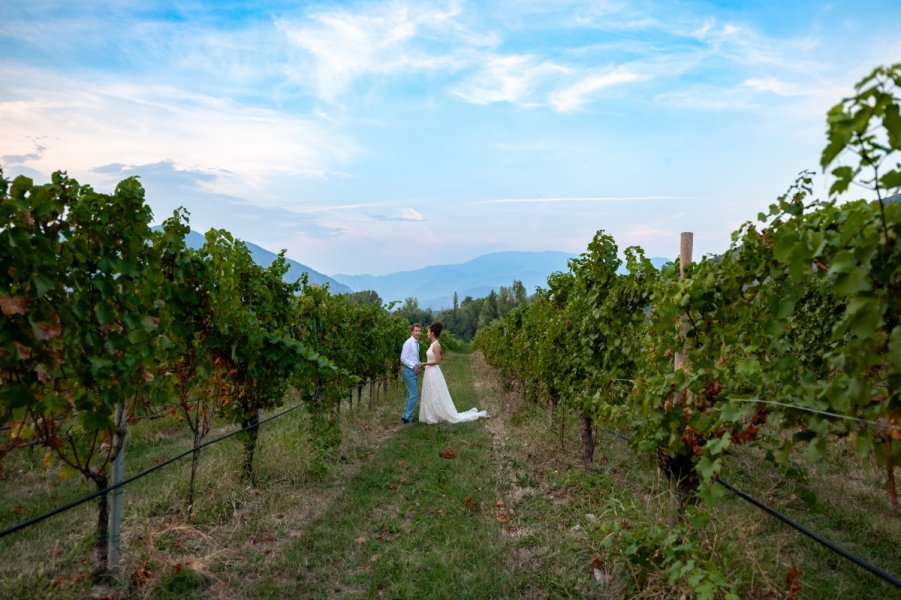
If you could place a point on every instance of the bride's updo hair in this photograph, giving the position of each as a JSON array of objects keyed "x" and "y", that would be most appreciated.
[{"x": 436, "y": 328}]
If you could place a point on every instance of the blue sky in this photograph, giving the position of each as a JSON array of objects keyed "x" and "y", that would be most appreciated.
[{"x": 372, "y": 137}]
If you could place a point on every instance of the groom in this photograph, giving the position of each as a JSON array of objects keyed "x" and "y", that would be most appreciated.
[{"x": 409, "y": 357}]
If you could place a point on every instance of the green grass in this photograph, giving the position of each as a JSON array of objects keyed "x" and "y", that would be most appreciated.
[{"x": 419, "y": 521}]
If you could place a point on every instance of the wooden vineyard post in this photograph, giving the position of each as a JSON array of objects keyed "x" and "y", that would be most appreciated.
[{"x": 685, "y": 250}]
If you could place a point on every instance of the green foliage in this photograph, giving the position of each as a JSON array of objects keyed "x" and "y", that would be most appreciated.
[
  {"x": 413, "y": 313},
  {"x": 101, "y": 315},
  {"x": 673, "y": 552},
  {"x": 867, "y": 125},
  {"x": 466, "y": 317},
  {"x": 797, "y": 324}
]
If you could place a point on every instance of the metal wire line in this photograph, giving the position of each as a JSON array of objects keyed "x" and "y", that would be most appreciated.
[
  {"x": 88, "y": 498},
  {"x": 885, "y": 576}
]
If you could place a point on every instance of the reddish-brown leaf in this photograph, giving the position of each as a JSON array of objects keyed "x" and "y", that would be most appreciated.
[
  {"x": 141, "y": 575},
  {"x": 448, "y": 453},
  {"x": 894, "y": 426},
  {"x": 503, "y": 518},
  {"x": 23, "y": 350},
  {"x": 48, "y": 331},
  {"x": 14, "y": 305},
  {"x": 43, "y": 375},
  {"x": 791, "y": 580}
]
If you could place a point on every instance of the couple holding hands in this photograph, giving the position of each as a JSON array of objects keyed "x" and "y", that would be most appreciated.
[{"x": 436, "y": 404}]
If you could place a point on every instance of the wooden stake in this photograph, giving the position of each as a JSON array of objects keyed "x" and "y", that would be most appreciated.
[{"x": 685, "y": 249}]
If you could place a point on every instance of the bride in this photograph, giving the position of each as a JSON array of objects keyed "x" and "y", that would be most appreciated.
[{"x": 436, "y": 404}]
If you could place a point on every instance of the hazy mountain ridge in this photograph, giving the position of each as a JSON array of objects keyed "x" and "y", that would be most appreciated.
[
  {"x": 435, "y": 285},
  {"x": 264, "y": 258}
]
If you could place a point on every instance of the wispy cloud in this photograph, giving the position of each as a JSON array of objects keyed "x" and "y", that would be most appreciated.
[
  {"x": 405, "y": 214},
  {"x": 339, "y": 46},
  {"x": 517, "y": 79},
  {"x": 577, "y": 95},
  {"x": 21, "y": 159},
  {"x": 586, "y": 199},
  {"x": 112, "y": 121}
]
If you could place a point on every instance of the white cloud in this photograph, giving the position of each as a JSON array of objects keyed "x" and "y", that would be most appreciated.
[
  {"x": 582, "y": 199},
  {"x": 342, "y": 46},
  {"x": 83, "y": 126},
  {"x": 515, "y": 79},
  {"x": 741, "y": 45},
  {"x": 411, "y": 214},
  {"x": 575, "y": 96}
]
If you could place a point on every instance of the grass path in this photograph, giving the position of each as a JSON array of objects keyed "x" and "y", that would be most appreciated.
[
  {"x": 443, "y": 511},
  {"x": 421, "y": 518}
]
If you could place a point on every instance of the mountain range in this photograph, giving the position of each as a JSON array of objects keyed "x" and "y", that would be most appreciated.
[
  {"x": 264, "y": 258},
  {"x": 433, "y": 286}
]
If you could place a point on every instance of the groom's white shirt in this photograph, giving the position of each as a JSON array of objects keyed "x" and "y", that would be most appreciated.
[{"x": 409, "y": 355}]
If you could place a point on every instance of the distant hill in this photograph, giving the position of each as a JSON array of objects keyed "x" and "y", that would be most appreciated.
[
  {"x": 264, "y": 258},
  {"x": 435, "y": 286}
]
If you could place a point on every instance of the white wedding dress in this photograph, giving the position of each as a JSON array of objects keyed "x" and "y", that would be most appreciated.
[{"x": 436, "y": 404}]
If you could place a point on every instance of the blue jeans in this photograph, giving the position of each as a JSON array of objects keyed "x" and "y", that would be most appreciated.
[{"x": 412, "y": 392}]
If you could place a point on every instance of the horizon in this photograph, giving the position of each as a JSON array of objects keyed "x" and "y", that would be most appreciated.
[{"x": 379, "y": 137}]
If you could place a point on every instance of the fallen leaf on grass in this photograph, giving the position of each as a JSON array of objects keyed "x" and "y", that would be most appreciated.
[
  {"x": 141, "y": 575},
  {"x": 503, "y": 518},
  {"x": 448, "y": 453},
  {"x": 405, "y": 445},
  {"x": 471, "y": 504},
  {"x": 61, "y": 579},
  {"x": 268, "y": 537},
  {"x": 360, "y": 539},
  {"x": 499, "y": 504},
  {"x": 791, "y": 580}
]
